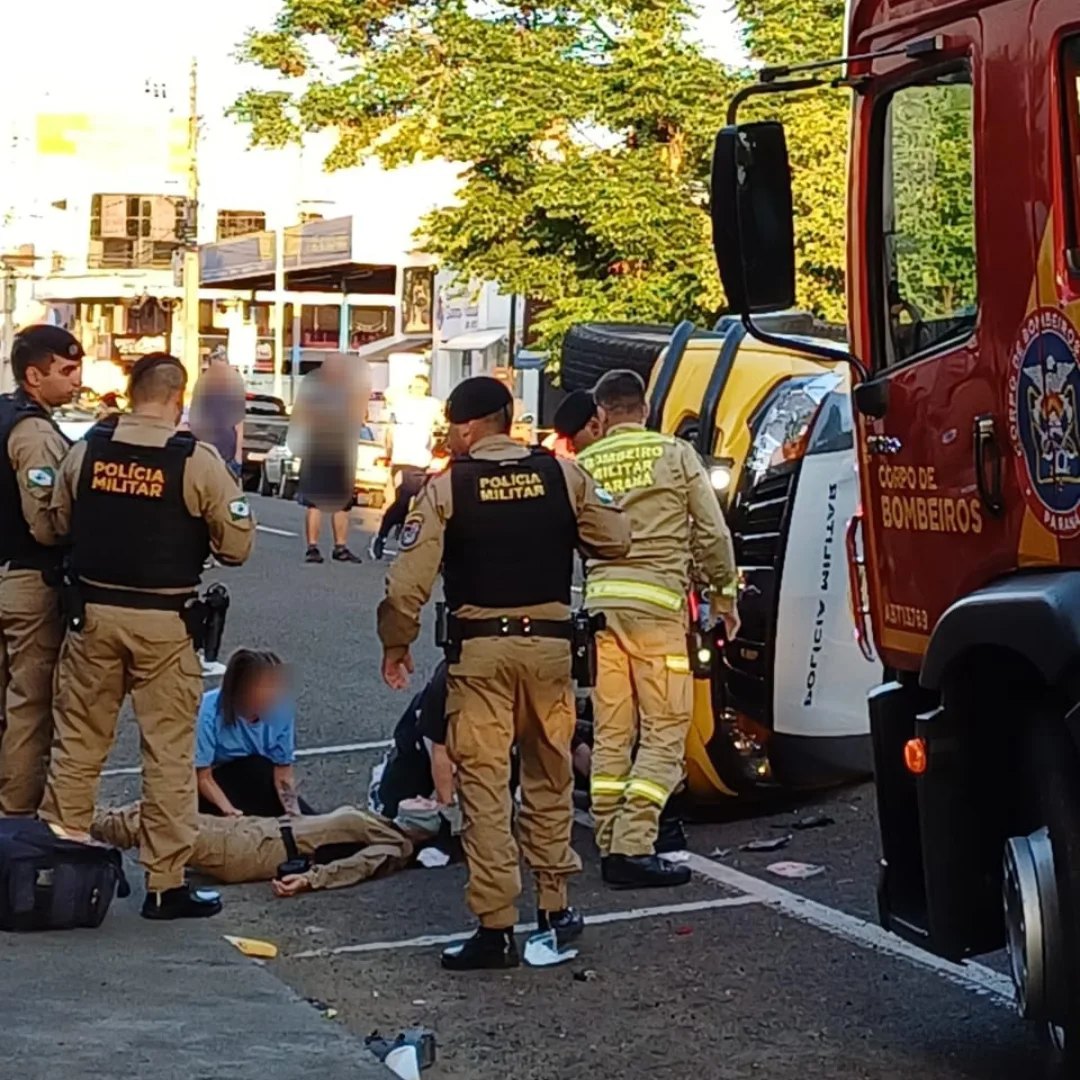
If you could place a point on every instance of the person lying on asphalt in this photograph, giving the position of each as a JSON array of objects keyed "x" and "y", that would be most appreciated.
[
  {"x": 246, "y": 741},
  {"x": 330, "y": 851}
]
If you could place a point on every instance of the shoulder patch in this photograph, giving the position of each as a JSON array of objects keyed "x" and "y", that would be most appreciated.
[
  {"x": 239, "y": 510},
  {"x": 40, "y": 478},
  {"x": 410, "y": 533},
  {"x": 604, "y": 496}
]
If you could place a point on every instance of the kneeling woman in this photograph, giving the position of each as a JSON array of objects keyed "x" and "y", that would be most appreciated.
[{"x": 247, "y": 741}]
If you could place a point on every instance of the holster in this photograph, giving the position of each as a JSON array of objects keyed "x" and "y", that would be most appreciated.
[
  {"x": 295, "y": 863},
  {"x": 586, "y": 626},
  {"x": 205, "y": 620},
  {"x": 72, "y": 601},
  {"x": 445, "y": 638}
]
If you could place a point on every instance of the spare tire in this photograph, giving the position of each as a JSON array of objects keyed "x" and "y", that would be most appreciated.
[{"x": 592, "y": 349}]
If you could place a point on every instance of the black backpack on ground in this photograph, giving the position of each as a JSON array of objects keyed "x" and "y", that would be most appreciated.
[{"x": 48, "y": 883}]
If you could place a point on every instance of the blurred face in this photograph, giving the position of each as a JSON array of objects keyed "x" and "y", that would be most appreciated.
[
  {"x": 263, "y": 692},
  {"x": 418, "y": 387},
  {"x": 58, "y": 384},
  {"x": 589, "y": 434}
]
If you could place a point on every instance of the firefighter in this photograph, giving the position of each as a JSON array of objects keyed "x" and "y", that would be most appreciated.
[
  {"x": 503, "y": 522},
  {"x": 142, "y": 506},
  {"x": 47, "y": 364},
  {"x": 643, "y": 685}
]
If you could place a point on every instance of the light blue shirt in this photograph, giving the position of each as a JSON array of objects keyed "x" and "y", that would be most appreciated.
[{"x": 272, "y": 736}]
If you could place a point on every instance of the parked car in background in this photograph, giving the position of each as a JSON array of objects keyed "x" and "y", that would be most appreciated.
[
  {"x": 266, "y": 423},
  {"x": 281, "y": 472}
]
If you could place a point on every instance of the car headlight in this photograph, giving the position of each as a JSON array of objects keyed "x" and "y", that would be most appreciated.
[{"x": 720, "y": 478}]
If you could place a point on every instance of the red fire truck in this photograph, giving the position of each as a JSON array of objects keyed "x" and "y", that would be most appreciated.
[{"x": 964, "y": 311}]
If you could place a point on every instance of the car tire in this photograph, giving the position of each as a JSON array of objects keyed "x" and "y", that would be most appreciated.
[
  {"x": 287, "y": 488},
  {"x": 265, "y": 487},
  {"x": 590, "y": 350}
]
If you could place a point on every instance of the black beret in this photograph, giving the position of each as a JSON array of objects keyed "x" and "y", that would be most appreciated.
[
  {"x": 576, "y": 410},
  {"x": 36, "y": 342},
  {"x": 149, "y": 362},
  {"x": 476, "y": 398}
]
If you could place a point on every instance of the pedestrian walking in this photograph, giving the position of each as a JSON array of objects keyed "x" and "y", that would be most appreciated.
[
  {"x": 503, "y": 523},
  {"x": 47, "y": 364},
  {"x": 141, "y": 505},
  {"x": 644, "y": 687}
]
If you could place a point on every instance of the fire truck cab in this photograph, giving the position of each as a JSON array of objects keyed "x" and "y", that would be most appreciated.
[{"x": 964, "y": 323}]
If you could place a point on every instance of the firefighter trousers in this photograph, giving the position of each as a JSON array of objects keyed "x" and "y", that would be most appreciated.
[
  {"x": 643, "y": 697},
  {"x": 149, "y": 655},
  {"x": 30, "y": 633},
  {"x": 506, "y": 690}
]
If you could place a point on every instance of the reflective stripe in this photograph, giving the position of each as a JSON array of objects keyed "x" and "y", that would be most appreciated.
[
  {"x": 668, "y": 599},
  {"x": 679, "y": 664},
  {"x": 607, "y": 785},
  {"x": 647, "y": 789},
  {"x": 731, "y": 590}
]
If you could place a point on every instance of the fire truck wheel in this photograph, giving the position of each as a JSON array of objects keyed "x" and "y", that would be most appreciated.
[{"x": 1056, "y": 766}]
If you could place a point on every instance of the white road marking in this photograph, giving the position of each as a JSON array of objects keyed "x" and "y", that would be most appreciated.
[
  {"x": 275, "y": 532},
  {"x": 600, "y": 919},
  {"x": 310, "y": 751},
  {"x": 981, "y": 980}
]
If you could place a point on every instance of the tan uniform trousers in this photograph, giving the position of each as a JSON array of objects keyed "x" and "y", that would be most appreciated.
[
  {"x": 643, "y": 695},
  {"x": 30, "y": 635},
  {"x": 149, "y": 655},
  {"x": 502, "y": 690}
]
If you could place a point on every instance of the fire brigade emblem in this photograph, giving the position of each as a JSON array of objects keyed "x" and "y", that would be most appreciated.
[{"x": 1044, "y": 398}]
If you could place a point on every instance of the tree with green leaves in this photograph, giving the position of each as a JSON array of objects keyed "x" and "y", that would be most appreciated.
[
  {"x": 817, "y": 125},
  {"x": 586, "y": 126}
]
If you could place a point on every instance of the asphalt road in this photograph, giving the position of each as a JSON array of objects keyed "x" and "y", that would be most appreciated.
[{"x": 740, "y": 974}]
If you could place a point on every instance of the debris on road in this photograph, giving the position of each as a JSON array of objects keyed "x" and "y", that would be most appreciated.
[
  {"x": 542, "y": 950},
  {"x": 684, "y": 931},
  {"x": 675, "y": 856},
  {"x": 587, "y": 975},
  {"x": 328, "y": 1011},
  {"x": 797, "y": 871},
  {"x": 814, "y": 821},
  {"x": 432, "y": 857},
  {"x": 774, "y": 843},
  {"x": 406, "y": 1055},
  {"x": 719, "y": 853},
  {"x": 265, "y": 950}
]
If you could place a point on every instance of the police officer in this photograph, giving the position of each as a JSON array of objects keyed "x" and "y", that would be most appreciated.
[
  {"x": 643, "y": 684},
  {"x": 576, "y": 424},
  {"x": 47, "y": 363},
  {"x": 142, "y": 505},
  {"x": 503, "y": 522}
]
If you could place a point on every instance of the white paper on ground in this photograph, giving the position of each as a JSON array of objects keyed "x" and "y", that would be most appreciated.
[
  {"x": 542, "y": 950},
  {"x": 432, "y": 857},
  {"x": 797, "y": 870},
  {"x": 402, "y": 1062}
]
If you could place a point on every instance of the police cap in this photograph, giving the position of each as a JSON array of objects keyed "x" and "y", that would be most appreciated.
[
  {"x": 35, "y": 343},
  {"x": 476, "y": 398},
  {"x": 575, "y": 411}
]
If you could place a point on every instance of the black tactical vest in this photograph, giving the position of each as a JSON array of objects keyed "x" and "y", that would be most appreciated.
[
  {"x": 511, "y": 537},
  {"x": 17, "y": 546},
  {"x": 130, "y": 525}
]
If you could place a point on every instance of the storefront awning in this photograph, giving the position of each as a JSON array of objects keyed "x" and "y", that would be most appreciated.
[
  {"x": 381, "y": 350},
  {"x": 477, "y": 340}
]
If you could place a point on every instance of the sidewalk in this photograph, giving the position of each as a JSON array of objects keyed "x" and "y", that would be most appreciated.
[{"x": 160, "y": 1001}]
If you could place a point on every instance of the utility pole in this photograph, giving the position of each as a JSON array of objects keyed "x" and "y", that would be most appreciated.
[
  {"x": 191, "y": 239},
  {"x": 7, "y": 329}
]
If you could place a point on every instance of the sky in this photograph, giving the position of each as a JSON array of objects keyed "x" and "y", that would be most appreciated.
[{"x": 97, "y": 51}]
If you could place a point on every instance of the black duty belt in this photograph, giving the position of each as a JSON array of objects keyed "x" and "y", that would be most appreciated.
[
  {"x": 512, "y": 626},
  {"x": 139, "y": 601}
]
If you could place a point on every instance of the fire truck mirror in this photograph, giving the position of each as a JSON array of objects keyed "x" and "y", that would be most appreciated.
[
  {"x": 872, "y": 398},
  {"x": 753, "y": 221}
]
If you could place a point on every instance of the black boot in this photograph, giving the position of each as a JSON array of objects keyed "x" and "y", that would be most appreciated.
[
  {"x": 180, "y": 903},
  {"x": 313, "y": 555},
  {"x": 343, "y": 554},
  {"x": 642, "y": 872},
  {"x": 486, "y": 949},
  {"x": 568, "y": 924},
  {"x": 671, "y": 837}
]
